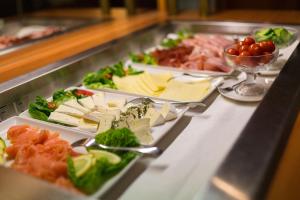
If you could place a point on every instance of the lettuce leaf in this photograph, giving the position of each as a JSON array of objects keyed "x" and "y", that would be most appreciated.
[
  {"x": 40, "y": 109},
  {"x": 103, "y": 170}
]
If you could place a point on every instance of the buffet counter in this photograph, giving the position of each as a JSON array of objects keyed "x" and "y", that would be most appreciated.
[{"x": 228, "y": 148}]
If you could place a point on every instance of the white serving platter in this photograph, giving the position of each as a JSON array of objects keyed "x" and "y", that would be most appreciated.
[
  {"x": 70, "y": 136},
  {"x": 157, "y": 132},
  {"x": 168, "y": 68}
]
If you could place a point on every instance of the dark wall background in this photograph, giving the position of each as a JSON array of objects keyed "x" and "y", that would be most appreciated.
[
  {"x": 260, "y": 4},
  {"x": 8, "y": 7}
]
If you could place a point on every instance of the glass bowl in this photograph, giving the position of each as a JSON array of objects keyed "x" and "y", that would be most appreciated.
[{"x": 251, "y": 65}]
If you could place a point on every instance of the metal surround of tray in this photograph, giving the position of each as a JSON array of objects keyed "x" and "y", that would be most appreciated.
[
  {"x": 240, "y": 166},
  {"x": 12, "y": 26}
]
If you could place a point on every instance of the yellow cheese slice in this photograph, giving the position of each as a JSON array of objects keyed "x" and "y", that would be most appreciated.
[{"x": 181, "y": 91}]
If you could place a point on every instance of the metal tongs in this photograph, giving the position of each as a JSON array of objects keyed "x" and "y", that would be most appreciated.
[
  {"x": 91, "y": 142},
  {"x": 148, "y": 100}
]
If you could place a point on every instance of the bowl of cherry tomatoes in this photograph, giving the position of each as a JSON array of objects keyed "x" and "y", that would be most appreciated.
[{"x": 250, "y": 55}]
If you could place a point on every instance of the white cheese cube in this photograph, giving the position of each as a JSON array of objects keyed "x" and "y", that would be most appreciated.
[
  {"x": 98, "y": 99},
  {"x": 74, "y": 104},
  {"x": 69, "y": 111},
  {"x": 116, "y": 103},
  {"x": 96, "y": 116},
  {"x": 105, "y": 123},
  {"x": 168, "y": 112},
  {"x": 155, "y": 117},
  {"x": 88, "y": 125},
  {"x": 141, "y": 129},
  {"x": 110, "y": 111},
  {"x": 87, "y": 102},
  {"x": 64, "y": 119}
]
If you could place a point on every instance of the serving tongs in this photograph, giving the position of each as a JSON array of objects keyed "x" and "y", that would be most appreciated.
[
  {"x": 203, "y": 76},
  {"x": 143, "y": 149},
  {"x": 191, "y": 104}
]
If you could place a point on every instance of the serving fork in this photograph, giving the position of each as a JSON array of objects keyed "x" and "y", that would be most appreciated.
[{"x": 143, "y": 149}]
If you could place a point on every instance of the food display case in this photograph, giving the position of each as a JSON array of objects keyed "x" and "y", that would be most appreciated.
[
  {"x": 18, "y": 33},
  {"x": 211, "y": 152}
]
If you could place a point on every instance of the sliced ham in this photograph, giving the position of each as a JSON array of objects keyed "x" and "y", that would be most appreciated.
[{"x": 201, "y": 52}]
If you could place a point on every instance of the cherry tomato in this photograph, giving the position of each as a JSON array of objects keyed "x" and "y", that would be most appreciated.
[
  {"x": 263, "y": 46},
  {"x": 267, "y": 57},
  {"x": 243, "y": 48},
  {"x": 245, "y": 58},
  {"x": 232, "y": 51},
  {"x": 248, "y": 41},
  {"x": 271, "y": 46},
  {"x": 255, "y": 50},
  {"x": 245, "y": 53},
  {"x": 83, "y": 92},
  {"x": 51, "y": 105},
  {"x": 239, "y": 44}
]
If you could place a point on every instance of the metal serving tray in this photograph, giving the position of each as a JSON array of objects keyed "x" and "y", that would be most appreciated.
[
  {"x": 272, "y": 119},
  {"x": 11, "y": 27}
]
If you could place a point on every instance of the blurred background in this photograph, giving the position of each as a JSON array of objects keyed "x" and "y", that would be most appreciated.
[{"x": 12, "y": 7}]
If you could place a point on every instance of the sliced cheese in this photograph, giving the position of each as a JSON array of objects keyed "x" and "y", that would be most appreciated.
[
  {"x": 141, "y": 129},
  {"x": 98, "y": 99},
  {"x": 183, "y": 91},
  {"x": 64, "y": 119},
  {"x": 88, "y": 125},
  {"x": 74, "y": 104},
  {"x": 88, "y": 103},
  {"x": 167, "y": 112},
  {"x": 105, "y": 123},
  {"x": 69, "y": 111},
  {"x": 156, "y": 118}
]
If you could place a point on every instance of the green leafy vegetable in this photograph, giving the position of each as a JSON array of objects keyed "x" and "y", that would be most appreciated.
[
  {"x": 61, "y": 96},
  {"x": 132, "y": 71},
  {"x": 40, "y": 109},
  {"x": 118, "y": 138},
  {"x": 102, "y": 170},
  {"x": 280, "y": 36},
  {"x": 103, "y": 77},
  {"x": 144, "y": 58},
  {"x": 171, "y": 42}
]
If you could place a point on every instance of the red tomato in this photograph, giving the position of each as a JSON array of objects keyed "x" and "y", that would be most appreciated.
[
  {"x": 267, "y": 57},
  {"x": 239, "y": 44},
  {"x": 83, "y": 92},
  {"x": 270, "y": 45},
  {"x": 263, "y": 46},
  {"x": 232, "y": 51},
  {"x": 51, "y": 105},
  {"x": 248, "y": 41},
  {"x": 245, "y": 53},
  {"x": 255, "y": 50},
  {"x": 243, "y": 48}
]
